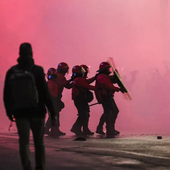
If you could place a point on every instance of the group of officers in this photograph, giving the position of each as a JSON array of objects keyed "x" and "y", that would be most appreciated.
[{"x": 79, "y": 83}]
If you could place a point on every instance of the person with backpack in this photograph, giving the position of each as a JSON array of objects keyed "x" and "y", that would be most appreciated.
[
  {"x": 26, "y": 96},
  {"x": 62, "y": 83},
  {"x": 80, "y": 91}
]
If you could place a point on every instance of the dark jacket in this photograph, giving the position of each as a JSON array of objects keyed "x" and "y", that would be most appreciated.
[
  {"x": 104, "y": 87},
  {"x": 80, "y": 85},
  {"x": 42, "y": 87}
]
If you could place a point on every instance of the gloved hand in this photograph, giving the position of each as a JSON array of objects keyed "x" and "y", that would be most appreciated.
[
  {"x": 72, "y": 77},
  {"x": 121, "y": 89},
  {"x": 11, "y": 118},
  {"x": 96, "y": 75},
  {"x": 117, "y": 89}
]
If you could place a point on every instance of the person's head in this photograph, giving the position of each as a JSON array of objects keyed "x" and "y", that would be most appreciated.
[
  {"x": 104, "y": 67},
  {"x": 63, "y": 68},
  {"x": 25, "y": 50},
  {"x": 86, "y": 68},
  {"x": 77, "y": 71},
  {"x": 52, "y": 74},
  {"x": 25, "y": 55}
]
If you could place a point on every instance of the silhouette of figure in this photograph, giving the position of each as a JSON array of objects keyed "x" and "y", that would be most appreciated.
[
  {"x": 62, "y": 83},
  {"x": 28, "y": 115},
  {"x": 129, "y": 84},
  {"x": 104, "y": 95},
  {"x": 53, "y": 87},
  {"x": 79, "y": 96},
  {"x": 86, "y": 129}
]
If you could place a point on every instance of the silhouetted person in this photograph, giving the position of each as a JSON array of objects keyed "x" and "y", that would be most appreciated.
[
  {"x": 79, "y": 96},
  {"x": 86, "y": 129},
  {"x": 129, "y": 84},
  {"x": 104, "y": 94},
  {"x": 26, "y": 96},
  {"x": 62, "y": 83}
]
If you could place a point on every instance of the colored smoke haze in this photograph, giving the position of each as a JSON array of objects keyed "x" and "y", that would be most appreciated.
[{"x": 134, "y": 32}]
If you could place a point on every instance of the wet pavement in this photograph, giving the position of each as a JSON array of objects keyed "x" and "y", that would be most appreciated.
[{"x": 124, "y": 152}]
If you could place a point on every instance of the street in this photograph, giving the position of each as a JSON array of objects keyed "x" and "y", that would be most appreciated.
[{"x": 123, "y": 152}]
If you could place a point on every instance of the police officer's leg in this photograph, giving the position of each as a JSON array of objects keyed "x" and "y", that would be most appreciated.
[
  {"x": 101, "y": 123},
  {"x": 76, "y": 128},
  {"x": 109, "y": 124},
  {"x": 59, "y": 133},
  {"x": 107, "y": 107},
  {"x": 114, "y": 121},
  {"x": 55, "y": 131},
  {"x": 47, "y": 125},
  {"x": 115, "y": 113},
  {"x": 86, "y": 129},
  {"x": 60, "y": 105},
  {"x": 86, "y": 115}
]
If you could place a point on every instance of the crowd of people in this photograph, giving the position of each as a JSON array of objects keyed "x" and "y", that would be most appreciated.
[
  {"x": 81, "y": 95},
  {"x": 27, "y": 97}
]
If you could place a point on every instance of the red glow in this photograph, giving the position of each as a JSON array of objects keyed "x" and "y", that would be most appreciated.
[{"x": 135, "y": 33}]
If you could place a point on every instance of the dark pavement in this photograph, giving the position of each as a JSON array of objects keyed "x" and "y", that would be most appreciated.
[{"x": 125, "y": 152}]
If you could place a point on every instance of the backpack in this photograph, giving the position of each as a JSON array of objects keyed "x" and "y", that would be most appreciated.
[
  {"x": 23, "y": 89},
  {"x": 89, "y": 96}
]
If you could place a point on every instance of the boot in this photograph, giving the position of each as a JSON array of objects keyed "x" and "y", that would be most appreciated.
[
  {"x": 55, "y": 132},
  {"x": 99, "y": 130},
  {"x": 116, "y": 132},
  {"x": 59, "y": 133},
  {"x": 88, "y": 132},
  {"x": 77, "y": 131}
]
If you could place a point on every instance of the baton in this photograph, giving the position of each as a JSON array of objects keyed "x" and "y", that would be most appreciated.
[{"x": 93, "y": 104}]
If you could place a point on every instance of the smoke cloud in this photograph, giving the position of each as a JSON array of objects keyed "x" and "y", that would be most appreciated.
[{"x": 134, "y": 33}]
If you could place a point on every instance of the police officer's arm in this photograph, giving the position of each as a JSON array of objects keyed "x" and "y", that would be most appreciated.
[
  {"x": 113, "y": 79},
  {"x": 68, "y": 84},
  {"x": 105, "y": 81},
  {"x": 91, "y": 80},
  {"x": 83, "y": 84},
  {"x": 62, "y": 82}
]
